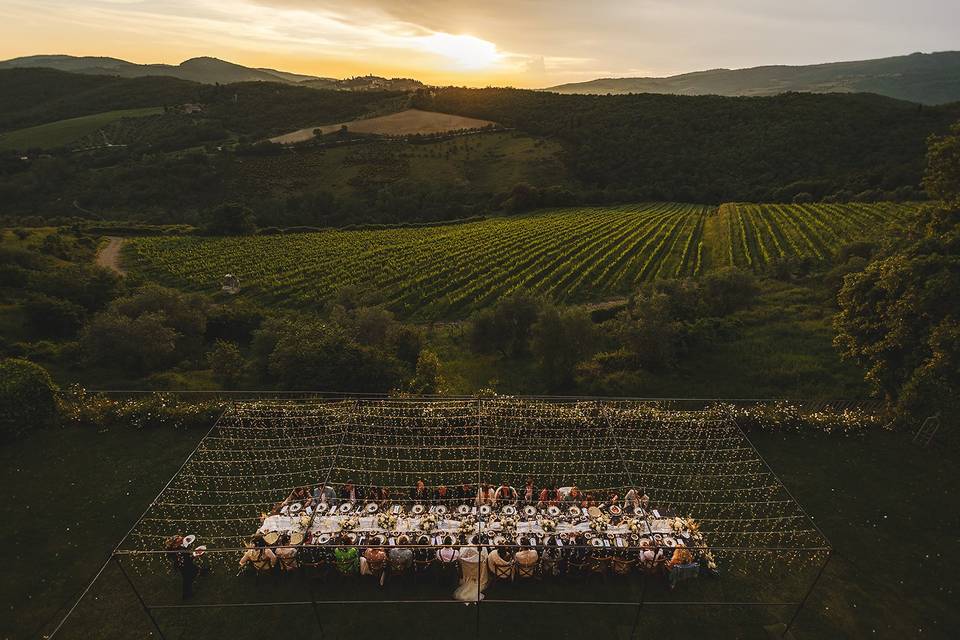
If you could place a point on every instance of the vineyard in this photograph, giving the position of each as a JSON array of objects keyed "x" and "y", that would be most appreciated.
[{"x": 569, "y": 255}]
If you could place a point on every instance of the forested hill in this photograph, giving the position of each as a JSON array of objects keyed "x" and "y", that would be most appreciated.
[
  {"x": 35, "y": 96},
  {"x": 712, "y": 148},
  {"x": 926, "y": 78}
]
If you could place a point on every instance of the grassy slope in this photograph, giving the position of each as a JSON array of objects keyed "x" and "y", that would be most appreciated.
[
  {"x": 878, "y": 498},
  {"x": 488, "y": 163},
  {"x": 63, "y": 132}
]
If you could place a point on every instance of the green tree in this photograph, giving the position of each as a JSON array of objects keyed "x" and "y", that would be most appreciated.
[
  {"x": 230, "y": 219},
  {"x": 28, "y": 398},
  {"x": 427, "y": 379},
  {"x": 226, "y": 362},
  {"x": 942, "y": 179},
  {"x": 900, "y": 317},
  {"x": 561, "y": 340},
  {"x": 134, "y": 345}
]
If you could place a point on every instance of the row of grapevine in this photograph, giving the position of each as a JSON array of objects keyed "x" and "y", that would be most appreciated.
[
  {"x": 569, "y": 255},
  {"x": 763, "y": 234}
]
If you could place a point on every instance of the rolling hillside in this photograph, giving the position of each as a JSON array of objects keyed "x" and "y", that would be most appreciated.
[
  {"x": 569, "y": 255},
  {"x": 205, "y": 70},
  {"x": 926, "y": 78}
]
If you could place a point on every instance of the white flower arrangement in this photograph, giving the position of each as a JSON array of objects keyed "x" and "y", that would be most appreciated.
[
  {"x": 634, "y": 524},
  {"x": 467, "y": 525},
  {"x": 548, "y": 525},
  {"x": 508, "y": 522},
  {"x": 678, "y": 524},
  {"x": 598, "y": 525},
  {"x": 387, "y": 521},
  {"x": 349, "y": 524},
  {"x": 304, "y": 521},
  {"x": 428, "y": 523}
]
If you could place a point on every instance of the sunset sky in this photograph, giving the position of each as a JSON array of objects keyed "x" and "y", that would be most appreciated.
[{"x": 527, "y": 43}]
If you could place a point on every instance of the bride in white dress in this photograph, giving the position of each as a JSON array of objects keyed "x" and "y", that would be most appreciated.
[{"x": 473, "y": 574}]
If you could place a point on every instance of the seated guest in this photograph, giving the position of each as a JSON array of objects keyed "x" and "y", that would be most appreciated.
[
  {"x": 442, "y": 495},
  {"x": 574, "y": 496},
  {"x": 349, "y": 493},
  {"x": 501, "y": 563},
  {"x": 631, "y": 500},
  {"x": 373, "y": 493},
  {"x": 286, "y": 555},
  {"x": 466, "y": 492},
  {"x": 550, "y": 558},
  {"x": 420, "y": 493},
  {"x": 614, "y": 500},
  {"x": 527, "y": 558},
  {"x": 529, "y": 492},
  {"x": 644, "y": 499},
  {"x": 346, "y": 556},
  {"x": 375, "y": 559},
  {"x": 259, "y": 555},
  {"x": 324, "y": 494},
  {"x": 505, "y": 494},
  {"x": 448, "y": 553},
  {"x": 647, "y": 559},
  {"x": 485, "y": 495},
  {"x": 681, "y": 555},
  {"x": 400, "y": 557},
  {"x": 547, "y": 497}
]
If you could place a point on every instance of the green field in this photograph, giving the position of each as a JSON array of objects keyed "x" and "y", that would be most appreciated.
[
  {"x": 757, "y": 235},
  {"x": 63, "y": 132},
  {"x": 570, "y": 255}
]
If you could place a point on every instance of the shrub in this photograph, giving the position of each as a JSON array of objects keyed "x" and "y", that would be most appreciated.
[{"x": 28, "y": 398}]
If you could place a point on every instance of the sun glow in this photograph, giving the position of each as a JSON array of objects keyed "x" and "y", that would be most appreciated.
[{"x": 464, "y": 52}]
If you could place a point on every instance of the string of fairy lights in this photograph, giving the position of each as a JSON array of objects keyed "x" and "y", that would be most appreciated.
[{"x": 696, "y": 463}]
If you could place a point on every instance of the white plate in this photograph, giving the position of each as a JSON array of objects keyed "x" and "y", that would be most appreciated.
[
  {"x": 509, "y": 510},
  {"x": 485, "y": 510},
  {"x": 346, "y": 507},
  {"x": 295, "y": 508},
  {"x": 554, "y": 511},
  {"x": 530, "y": 511},
  {"x": 372, "y": 507},
  {"x": 574, "y": 511},
  {"x": 189, "y": 540},
  {"x": 321, "y": 508},
  {"x": 463, "y": 509},
  {"x": 441, "y": 509},
  {"x": 417, "y": 509}
]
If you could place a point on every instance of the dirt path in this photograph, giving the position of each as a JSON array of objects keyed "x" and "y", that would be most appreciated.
[{"x": 109, "y": 255}]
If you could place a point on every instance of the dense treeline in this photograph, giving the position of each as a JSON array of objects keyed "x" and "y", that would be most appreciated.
[
  {"x": 712, "y": 149},
  {"x": 36, "y": 96}
]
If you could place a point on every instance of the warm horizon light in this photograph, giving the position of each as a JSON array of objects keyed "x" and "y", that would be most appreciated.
[{"x": 498, "y": 42}]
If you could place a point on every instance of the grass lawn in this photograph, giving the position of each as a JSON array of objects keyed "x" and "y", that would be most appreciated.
[
  {"x": 885, "y": 504},
  {"x": 63, "y": 132}
]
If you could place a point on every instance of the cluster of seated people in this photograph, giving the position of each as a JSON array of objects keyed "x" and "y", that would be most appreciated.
[
  {"x": 484, "y": 494},
  {"x": 554, "y": 555}
]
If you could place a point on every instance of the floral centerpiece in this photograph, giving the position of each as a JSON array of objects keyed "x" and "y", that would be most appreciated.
[
  {"x": 349, "y": 524},
  {"x": 549, "y": 525},
  {"x": 467, "y": 525},
  {"x": 678, "y": 524},
  {"x": 634, "y": 524},
  {"x": 428, "y": 522},
  {"x": 600, "y": 523},
  {"x": 387, "y": 521}
]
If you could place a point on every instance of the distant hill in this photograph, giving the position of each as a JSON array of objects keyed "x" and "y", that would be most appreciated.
[
  {"x": 206, "y": 70},
  {"x": 927, "y": 78}
]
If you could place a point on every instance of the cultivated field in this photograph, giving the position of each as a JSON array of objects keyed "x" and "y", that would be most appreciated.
[
  {"x": 756, "y": 235},
  {"x": 64, "y": 132},
  {"x": 568, "y": 255},
  {"x": 402, "y": 123}
]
